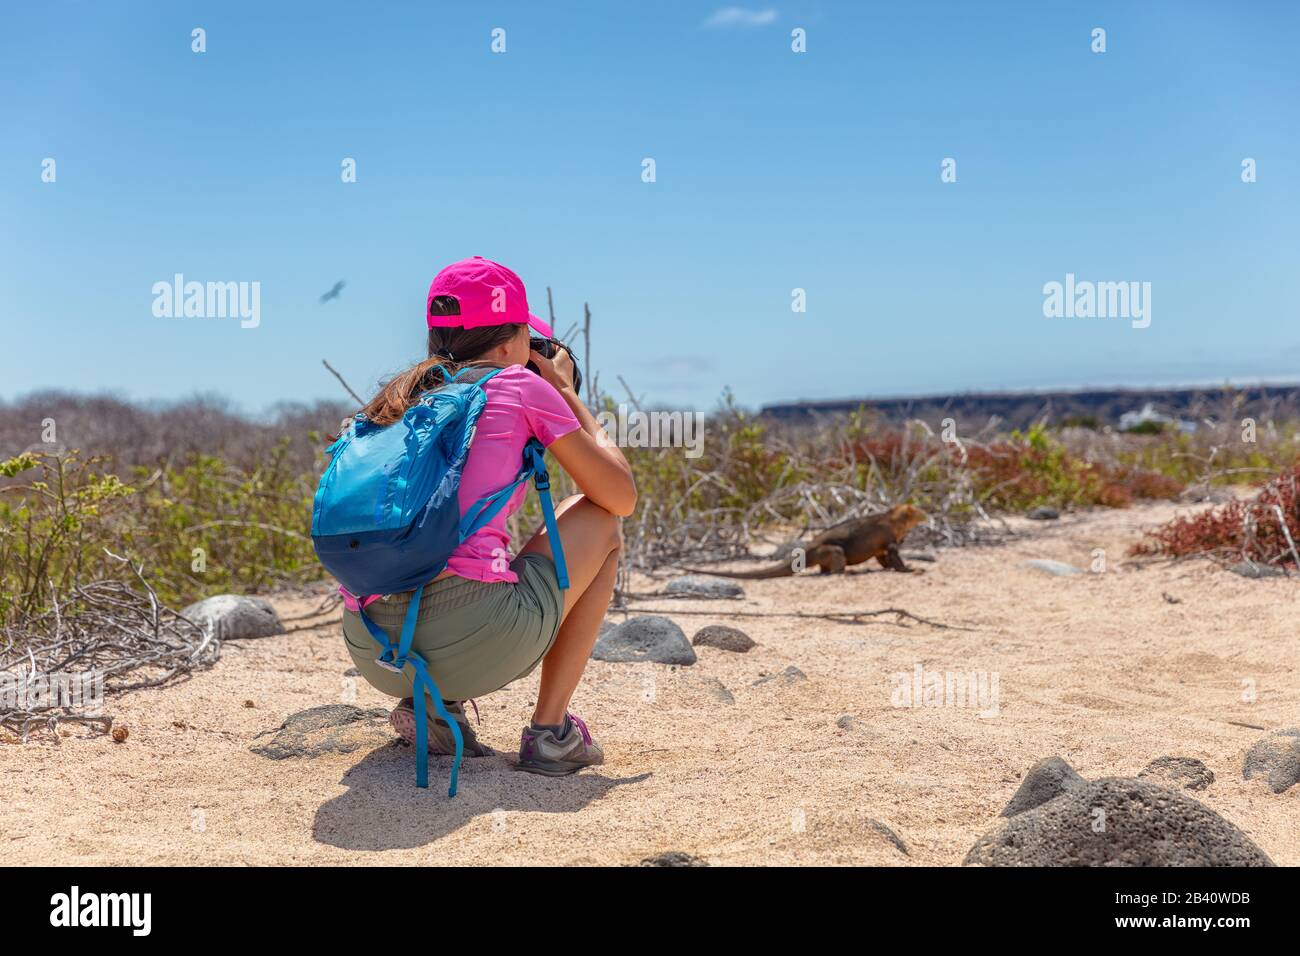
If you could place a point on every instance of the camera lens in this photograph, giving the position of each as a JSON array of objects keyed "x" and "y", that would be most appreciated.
[{"x": 549, "y": 348}]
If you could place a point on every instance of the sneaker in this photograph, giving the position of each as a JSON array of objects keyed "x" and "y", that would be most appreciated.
[
  {"x": 441, "y": 740},
  {"x": 545, "y": 752}
]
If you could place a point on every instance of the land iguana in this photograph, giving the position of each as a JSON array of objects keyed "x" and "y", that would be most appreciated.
[{"x": 850, "y": 542}]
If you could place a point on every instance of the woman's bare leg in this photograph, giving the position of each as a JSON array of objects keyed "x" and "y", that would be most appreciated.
[{"x": 591, "y": 549}]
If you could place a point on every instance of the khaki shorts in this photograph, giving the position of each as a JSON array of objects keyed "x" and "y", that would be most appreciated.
[{"x": 476, "y": 636}]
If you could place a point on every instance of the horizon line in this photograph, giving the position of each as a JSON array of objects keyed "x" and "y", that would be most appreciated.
[{"x": 1045, "y": 390}]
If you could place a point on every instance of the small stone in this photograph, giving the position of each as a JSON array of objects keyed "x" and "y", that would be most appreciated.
[
  {"x": 673, "y": 858},
  {"x": 791, "y": 675},
  {"x": 1058, "y": 568},
  {"x": 120, "y": 733},
  {"x": 724, "y": 638},
  {"x": 249, "y": 704},
  {"x": 927, "y": 555},
  {"x": 1202, "y": 492},
  {"x": 352, "y": 672},
  {"x": 1253, "y": 569},
  {"x": 1186, "y": 772},
  {"x": 234, "y": 617},
  {"x": 699, "y": 585},
  {"x": 1042, "y": 513},
  {"x": 332, "y": 728},
  {"x": 847, "y": 722},
  {"x": 647, "y": 638},
  {"x": 1276, "y": 758},
  {"x": 718, "y": 691},
  {"x": 1044, "y": 781}
]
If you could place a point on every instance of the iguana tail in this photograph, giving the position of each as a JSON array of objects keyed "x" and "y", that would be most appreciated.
[{"x": 776, "y": 571}]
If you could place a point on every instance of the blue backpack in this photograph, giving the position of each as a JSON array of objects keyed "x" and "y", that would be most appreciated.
[{"x": 386, "y": 518}]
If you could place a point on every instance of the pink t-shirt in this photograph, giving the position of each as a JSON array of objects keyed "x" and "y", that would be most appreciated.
[{"x": 520, "y": 406}]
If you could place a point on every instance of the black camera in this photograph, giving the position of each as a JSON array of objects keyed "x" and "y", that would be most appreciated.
[{"x": 549, "y": 348}]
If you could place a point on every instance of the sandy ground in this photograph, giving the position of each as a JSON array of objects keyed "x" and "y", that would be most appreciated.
[{"x": 1101, "y": 669}]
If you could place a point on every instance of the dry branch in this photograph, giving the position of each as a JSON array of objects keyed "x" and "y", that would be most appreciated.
[
  {"x": 358, "y": 398},
  {"x": 115, "y": 632},
  {"x": 843, "y": 617}
]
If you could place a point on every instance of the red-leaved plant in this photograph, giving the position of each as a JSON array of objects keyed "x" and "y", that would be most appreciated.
[{"x": 1264, "y": 529}]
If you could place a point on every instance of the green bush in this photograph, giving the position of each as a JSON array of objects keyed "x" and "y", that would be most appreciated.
[
  {"x": 55, "y": 522},
  {"x": 199, "y": 529}
]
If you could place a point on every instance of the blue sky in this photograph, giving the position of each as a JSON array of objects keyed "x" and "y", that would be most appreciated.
[{"x": 775, "y": 171}]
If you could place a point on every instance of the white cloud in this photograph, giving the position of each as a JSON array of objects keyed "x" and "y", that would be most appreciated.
[{"x": 740, "y": 17}]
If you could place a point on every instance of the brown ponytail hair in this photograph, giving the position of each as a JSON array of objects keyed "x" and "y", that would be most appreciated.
[{"x": 449, "y": 348}]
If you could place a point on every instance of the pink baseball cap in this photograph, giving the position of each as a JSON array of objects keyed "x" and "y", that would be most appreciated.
[{"x": 488, "y": 293}]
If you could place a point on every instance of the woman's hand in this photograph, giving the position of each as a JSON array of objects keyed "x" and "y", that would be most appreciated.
[
  {"x": 595, "y": 463},
  {"x": 558, "y": 371}
]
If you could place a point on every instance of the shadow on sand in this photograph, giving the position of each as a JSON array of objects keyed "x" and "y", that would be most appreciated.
[{"x": 384, "y": 810}]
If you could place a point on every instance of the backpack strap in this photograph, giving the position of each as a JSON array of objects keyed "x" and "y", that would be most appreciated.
[
  {"x": 466, "y": 374},
  {"x": 542, "y": 479},
  {"x": 395, "y": 658},
  {"x": 476, "y": 374},
  {"x": 486, "y": 508}
]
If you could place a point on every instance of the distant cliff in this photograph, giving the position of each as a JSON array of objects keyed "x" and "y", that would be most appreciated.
[{"x": 1096, "y": 407}]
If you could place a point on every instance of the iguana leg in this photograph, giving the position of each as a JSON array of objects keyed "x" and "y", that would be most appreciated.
[
  {"x": 893, "y": 560},
  {"x": 830, "y": 557}
]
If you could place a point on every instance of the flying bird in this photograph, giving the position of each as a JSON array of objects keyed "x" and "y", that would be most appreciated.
[{"x": 333, "y": 293}]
